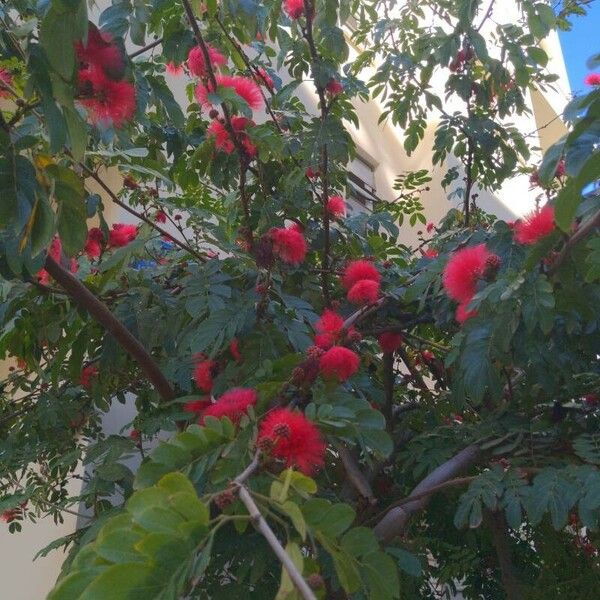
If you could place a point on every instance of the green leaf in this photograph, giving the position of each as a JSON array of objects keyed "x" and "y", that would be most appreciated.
[
  {"x": 292, "y": 510},
  {"x": 331, "y": 520},
  {"x": 587, "y": 447},
  {"x": 407, "y": 561},
  {"x": 382, "y": 576},
  {"x": 74, "y": 584},
  {"x": 359, "y": 542},
  {"x": 126, "y": 581}
]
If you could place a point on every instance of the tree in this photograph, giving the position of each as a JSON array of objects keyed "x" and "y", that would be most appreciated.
[{"x": 348, "y": 418}]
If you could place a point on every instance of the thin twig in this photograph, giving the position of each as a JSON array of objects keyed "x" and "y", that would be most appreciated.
[
  {"x": 139, "y": 215},
  {"x": 363, "y": 312},
  {"x": 263, "y": 527},
  {"x": 584, "y": 231},
  {"x": 416, "y": 376},
  {"x": 487, "y": 15},
  {"x": 324, "y": 158},
  {"x": 146, "y": 48}
]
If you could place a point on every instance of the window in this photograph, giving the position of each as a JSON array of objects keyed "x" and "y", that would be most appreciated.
[{"x": 361, "y": 186}]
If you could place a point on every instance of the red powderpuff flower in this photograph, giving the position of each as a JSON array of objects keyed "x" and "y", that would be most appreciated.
[
  {"x": 430, "y": 253},
  {"x": 223, "y": 140},
  {"x": 389, "y": 341},
  {"x": 358, "y": 270},
  {"x": 592, "y": 79},
  {"x": 121, "y": 235},
  {"x": 334, "y": 87},
  {"x": 135, "y": 435},
  {"x": 312, "y": 173},
  {"x": 8, "y": 516},
  {"x": 336, "y": 206},
  {"x": 87, "y": 374},
  {"x": 101, "y": 52},
  {"x": 160, "y": 216},
  {"x": 246, "y": 88},
  {"x": 430, "y": 227},
  {"x": 289, "y": 244},
  {"x": 265, "y": 78},
  {"x": 203, "y": 374},
  {"x": 339, "y": 363},
  {"x": 240, "y": 125},
  {"x": 197, "y": 64},
  {"x": 94, "y": 242},
  {"x": 43, "y": 277},
  {"x": 5, "y": 77},
  {"x": 55, "y": 249},
  {"x": 463, "y": 313},
  {"x": 106, "y": 100},
  {"x": 293, "y": 439},
  {"x": 234, "y": 348},
  {"x": 174, "y": 69},
  {"x": 330, "y": 322},
  {"x": 365, "y": 291},
  {"x": 294, "y": 8},
  {"x": 464, "y": 268},
  {"x": 55, "y": 252},
  {"x": 535, "y": 226},
  {"x": 233, "y": 404},
  {"x": 196, "y": 406}
]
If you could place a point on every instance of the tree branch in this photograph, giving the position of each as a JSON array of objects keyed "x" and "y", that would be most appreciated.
[
  {"x": 140, "y": 216},
  {"x": 416, "y": 376},
  {"x": 86, "y": 300},
  {"x": 388, "y": 388},
  {"x": 151, "y": 45},
  {"x": 363, "y": 312},
  {"x": 355, "y": 475},
  {"x": 324, "y": 158},
  {"x": 394, "y": 522},
  {"x": 263, "y": 527},
  {"x": 498, "y": 528},
  {"x": 584, "y": 231}
]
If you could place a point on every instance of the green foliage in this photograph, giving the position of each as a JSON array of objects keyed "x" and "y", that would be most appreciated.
[
  {"x": 517, "y": 382},
  {"x": 147, "y": 551}
]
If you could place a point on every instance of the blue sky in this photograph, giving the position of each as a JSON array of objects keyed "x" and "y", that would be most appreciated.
[{"x": 580, "y": 43}]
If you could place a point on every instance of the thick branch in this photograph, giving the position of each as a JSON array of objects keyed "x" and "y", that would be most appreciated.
[
  {"x": 263, "y": 527},
  {"x": 498, "y": 529},
  {"x": 86, "y": 300},
  {"x": 355, "y": 475},
  {"x": 394, "y": 522}
]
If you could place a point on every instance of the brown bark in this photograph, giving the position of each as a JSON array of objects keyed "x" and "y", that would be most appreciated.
[
  {"x": 499, "y": 530},
  {"x": 86, "y": 300},
  {"x": 393, "y": 523}
]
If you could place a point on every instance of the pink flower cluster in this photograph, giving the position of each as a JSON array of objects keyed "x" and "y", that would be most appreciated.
[
  {"x": 361, "y": 279},
  {"x": 108, "y": 97},
  {"x": 461, "y": 274}
]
